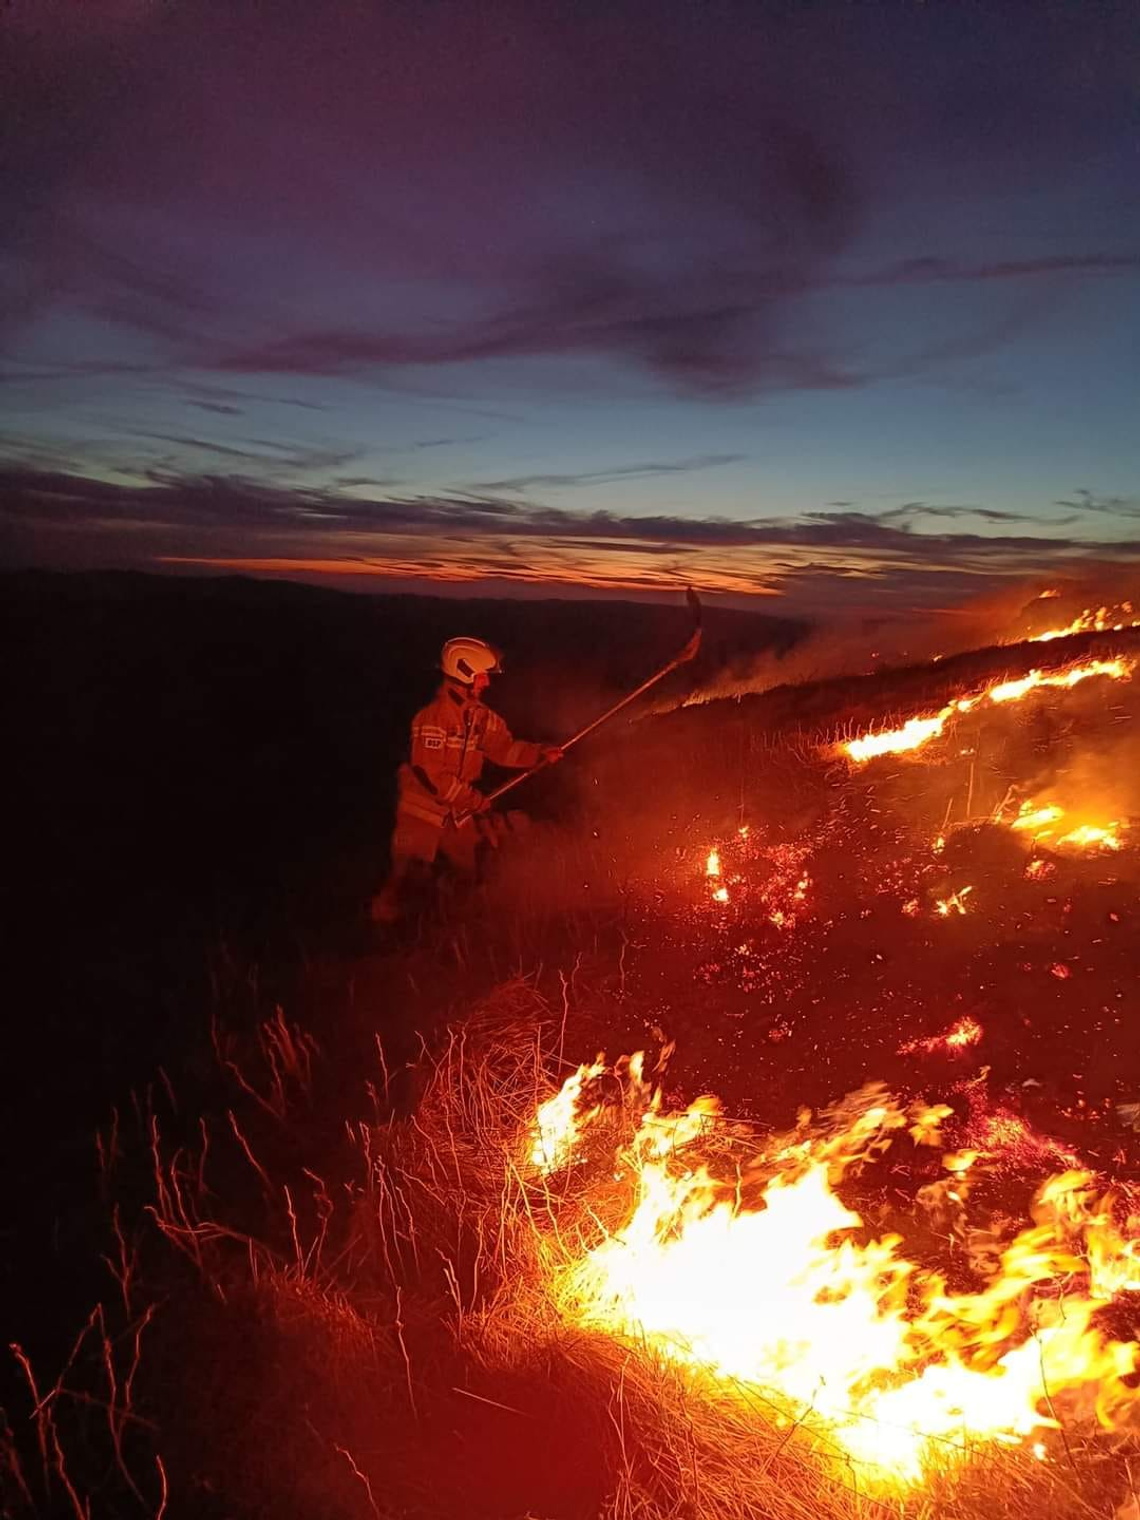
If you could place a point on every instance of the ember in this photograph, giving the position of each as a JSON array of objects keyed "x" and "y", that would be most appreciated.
[
  {"x": 966, "y": 1032},
  {"x": 955, "y": 903},
  {"x": 1009, "y": 1141}
]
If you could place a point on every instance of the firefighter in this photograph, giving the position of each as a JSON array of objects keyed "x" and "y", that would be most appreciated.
[{"x": 451, "y": 738}]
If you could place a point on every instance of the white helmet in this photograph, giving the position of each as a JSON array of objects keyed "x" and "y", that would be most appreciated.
[{"x": 463, "y": 659}]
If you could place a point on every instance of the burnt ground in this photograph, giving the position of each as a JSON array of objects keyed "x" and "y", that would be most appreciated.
[{"x": 200, "y": 809}]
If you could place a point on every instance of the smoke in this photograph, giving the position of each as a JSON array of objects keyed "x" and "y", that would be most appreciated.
[
  {"x": 865, "y": 646},
  {"x": 1091, "y": 768}
]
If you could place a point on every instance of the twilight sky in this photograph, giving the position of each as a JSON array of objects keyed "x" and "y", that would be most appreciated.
[{"x": 836, "y": 304}]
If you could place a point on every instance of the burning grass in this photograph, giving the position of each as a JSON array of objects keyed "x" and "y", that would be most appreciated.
[
  {"x": 521, "y": 1287},
  {"x": 916, "y": 732},
  {"x": 532, "y": 1297}
]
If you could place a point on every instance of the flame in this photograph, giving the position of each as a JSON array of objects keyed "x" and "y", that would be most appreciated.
[
  {"x": 1039, "y": 819},
  {"x": 914, "y": 733},
  {"x": 756, "y": 1272},
  {"x": 1036, "y": 818},
  {"x": 918, "y": 731},
  {"x": 779, "y": 895},
  {"x": 967, "y": 1031},
  {"x": 1092, "y": 620},
  {"x": 1089, "y": 836},
  {"x": 1013, "y": 691},
  {"x": 955, "y": 903},
  {"x": 561, "y": 1120}
]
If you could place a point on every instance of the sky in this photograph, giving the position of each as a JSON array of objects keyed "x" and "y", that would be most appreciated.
[{"x": 816, "y": 307}]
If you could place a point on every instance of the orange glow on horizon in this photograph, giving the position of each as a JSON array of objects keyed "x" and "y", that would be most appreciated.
[{"x": 457, "y": 573}]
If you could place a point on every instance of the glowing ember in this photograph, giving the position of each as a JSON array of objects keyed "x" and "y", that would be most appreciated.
[
  {"x": 955, "y": 903},
  {"x": 1040, "y": 870},
  {"x": 917, "y": 732},
  {"x": 781, "y": 890},
  {"x": 1006, "y": 1138},
  {"x": 749, "y": 1266},
  {"x": 966, "y": 1032}
]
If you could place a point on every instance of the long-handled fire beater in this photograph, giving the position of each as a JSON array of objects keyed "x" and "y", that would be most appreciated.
[{"x": 683, "y": 658}]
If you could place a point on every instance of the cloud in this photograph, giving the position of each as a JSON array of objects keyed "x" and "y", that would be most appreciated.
[
  {"x": 667, "y": 189},
  {"x": 610, "y": 477},
  {"x": 954, "y": 510},
  {"x": 274, "y": 459},
  {"x": 1091, "y": 502},
  {"x": 232, "y": 522},
  {"x": 927, "y": 269}
]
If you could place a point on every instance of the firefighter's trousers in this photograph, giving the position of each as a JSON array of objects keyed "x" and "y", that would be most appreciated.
[{"x": 418, "y": 844}]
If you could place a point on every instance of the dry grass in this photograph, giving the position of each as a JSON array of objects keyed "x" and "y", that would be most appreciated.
[{"x": 390, "y": 1340}]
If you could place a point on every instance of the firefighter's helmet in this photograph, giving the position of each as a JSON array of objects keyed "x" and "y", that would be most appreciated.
[{"x": 463, "y": 659}]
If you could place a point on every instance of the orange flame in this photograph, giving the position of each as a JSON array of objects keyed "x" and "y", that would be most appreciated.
[
  {"x": 1090, "y": 836},
  {"x": 919, "y": 731},
  {"x": 1044, "y": 820},
  {"x": 1093, "y": 620},
  {"x": 767, "y": 1280}
]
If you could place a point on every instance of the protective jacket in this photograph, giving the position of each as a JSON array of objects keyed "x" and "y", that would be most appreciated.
[{"x": 451, "y": 738}]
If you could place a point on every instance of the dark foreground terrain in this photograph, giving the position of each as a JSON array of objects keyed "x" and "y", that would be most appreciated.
[
  {"x": 201, "y": 779},
  {"x": 267, "y": 1132}
]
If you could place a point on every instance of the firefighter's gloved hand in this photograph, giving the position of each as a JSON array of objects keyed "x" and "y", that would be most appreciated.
[{"x": 550, "y": 754}]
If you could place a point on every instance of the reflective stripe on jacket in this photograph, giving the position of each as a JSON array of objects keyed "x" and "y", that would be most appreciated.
[{"x": 451, "y": 738}]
